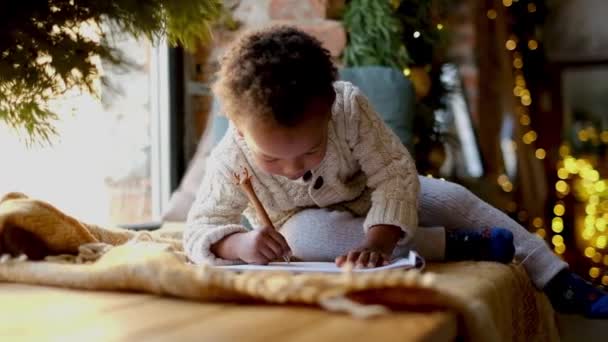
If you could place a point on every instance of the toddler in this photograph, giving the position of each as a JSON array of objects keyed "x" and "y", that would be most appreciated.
[{"x": 337, "y": 183}]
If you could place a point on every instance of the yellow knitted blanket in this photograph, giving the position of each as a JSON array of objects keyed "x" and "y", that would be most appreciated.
[{"x": 493, "y": 302}]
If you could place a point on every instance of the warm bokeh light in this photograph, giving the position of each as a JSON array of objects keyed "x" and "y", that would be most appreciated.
[
  {"x": 594, "y": 272},
  {"x": 540, "y": 153},
  {"x": 557, "y": 224},
  {"x": 559, "y": 209},
  {"x": 511, "y": 44}
]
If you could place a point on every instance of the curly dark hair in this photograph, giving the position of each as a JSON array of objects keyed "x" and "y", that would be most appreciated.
[{"x": 275, "y": 73}]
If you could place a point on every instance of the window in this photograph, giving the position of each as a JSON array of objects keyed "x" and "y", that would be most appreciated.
[
  {"x": 464, "y": 155},
  {"x": 109, "y": 163}
]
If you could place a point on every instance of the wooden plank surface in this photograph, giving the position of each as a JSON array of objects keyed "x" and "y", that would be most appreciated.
[{"x": 36, "y": 313}]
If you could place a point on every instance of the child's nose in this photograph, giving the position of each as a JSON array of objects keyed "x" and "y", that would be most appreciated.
[{"x": 295, "y": 167}]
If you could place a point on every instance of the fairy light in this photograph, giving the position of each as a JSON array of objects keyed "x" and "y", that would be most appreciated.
[
  {"x": 532, "y": 7},
  {"x": 559, "y": 209},
  {"x": 597, "y": 258},
  {"x": 600, "y": 242},
  {"x": 532, "y": 44},
  {"x": 518, "y": 63},
  {"x": 417, "y": 34},
  {"x": 557, "y": 240},
  {"x": 562, "y": 187},
  {"x": 511, "y": 44},
  {"x": 529, "y": 137},
  {"x": 594, "y": 272},
  {"x": 439, "y": 27},
  {"x": 600, "y": 224},
  {"x": 562, "y": 173},
  {"x": 502, "y": 179},
  {"x": 517, "y": 91},
  {"x": 492, "y": 14},
  {"x": 540, "y": 153},
  {"x": 407, "y": 72},
  {"x": 557, "y": 224},
  {"x": 507, "y": 3}
]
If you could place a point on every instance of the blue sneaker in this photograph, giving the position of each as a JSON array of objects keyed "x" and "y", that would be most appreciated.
[{"x": 569, "y": 293}]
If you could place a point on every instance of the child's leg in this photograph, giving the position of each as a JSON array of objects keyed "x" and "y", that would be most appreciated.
[
  {"x": 454, "y": 207},
  {"x": 323, "y": 235}
]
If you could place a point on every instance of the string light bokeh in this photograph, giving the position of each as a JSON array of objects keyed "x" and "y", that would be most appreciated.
[{"x": 578, "y": 177}]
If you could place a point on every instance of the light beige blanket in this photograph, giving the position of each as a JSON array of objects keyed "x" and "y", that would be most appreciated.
[{"x": 494, "y": 302}]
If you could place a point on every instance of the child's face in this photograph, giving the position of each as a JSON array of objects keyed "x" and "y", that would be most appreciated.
[{"x": 288, "y": 151}]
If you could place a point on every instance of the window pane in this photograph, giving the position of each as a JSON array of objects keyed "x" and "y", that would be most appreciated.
[{"x": 99, "y": 167}]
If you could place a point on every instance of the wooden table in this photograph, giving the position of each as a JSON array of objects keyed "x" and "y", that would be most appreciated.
[{"x": 36, "y": 313}]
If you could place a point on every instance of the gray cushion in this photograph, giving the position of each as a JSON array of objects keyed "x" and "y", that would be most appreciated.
[{"x": 390, "y": 93}]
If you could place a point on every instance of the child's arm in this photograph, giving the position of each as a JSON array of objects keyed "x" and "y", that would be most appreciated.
[
  {"x": 390, "y": 170},
  {"x": 214, "y": 215},
  {"x": 213, "y": 231}
]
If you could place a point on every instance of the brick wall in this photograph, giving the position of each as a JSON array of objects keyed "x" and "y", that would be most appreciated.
[{"x": 311, "y": 16}]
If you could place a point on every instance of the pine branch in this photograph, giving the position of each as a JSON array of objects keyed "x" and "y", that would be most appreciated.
[
  {"x": 48, "y": 47},
  {"x": 374, "y": 35}
]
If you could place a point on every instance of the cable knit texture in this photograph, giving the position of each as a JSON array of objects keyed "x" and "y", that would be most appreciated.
[{"x": 366, "y": 170}]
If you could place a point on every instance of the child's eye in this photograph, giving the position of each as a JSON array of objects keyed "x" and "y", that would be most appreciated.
[{"x": 310, "y": 153}]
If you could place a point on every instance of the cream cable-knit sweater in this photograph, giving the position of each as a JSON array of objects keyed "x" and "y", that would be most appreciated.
[{"x": 366, "y": 170}]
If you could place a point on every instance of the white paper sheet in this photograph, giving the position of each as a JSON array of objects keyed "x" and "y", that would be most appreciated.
[{"x": 322, "y": 267}]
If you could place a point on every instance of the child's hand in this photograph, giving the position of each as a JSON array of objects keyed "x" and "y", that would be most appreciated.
[
  {"x": 364, "y": 257},
  {"x": 262, "y": 246},
  {"x": 377, "y": 250}
]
